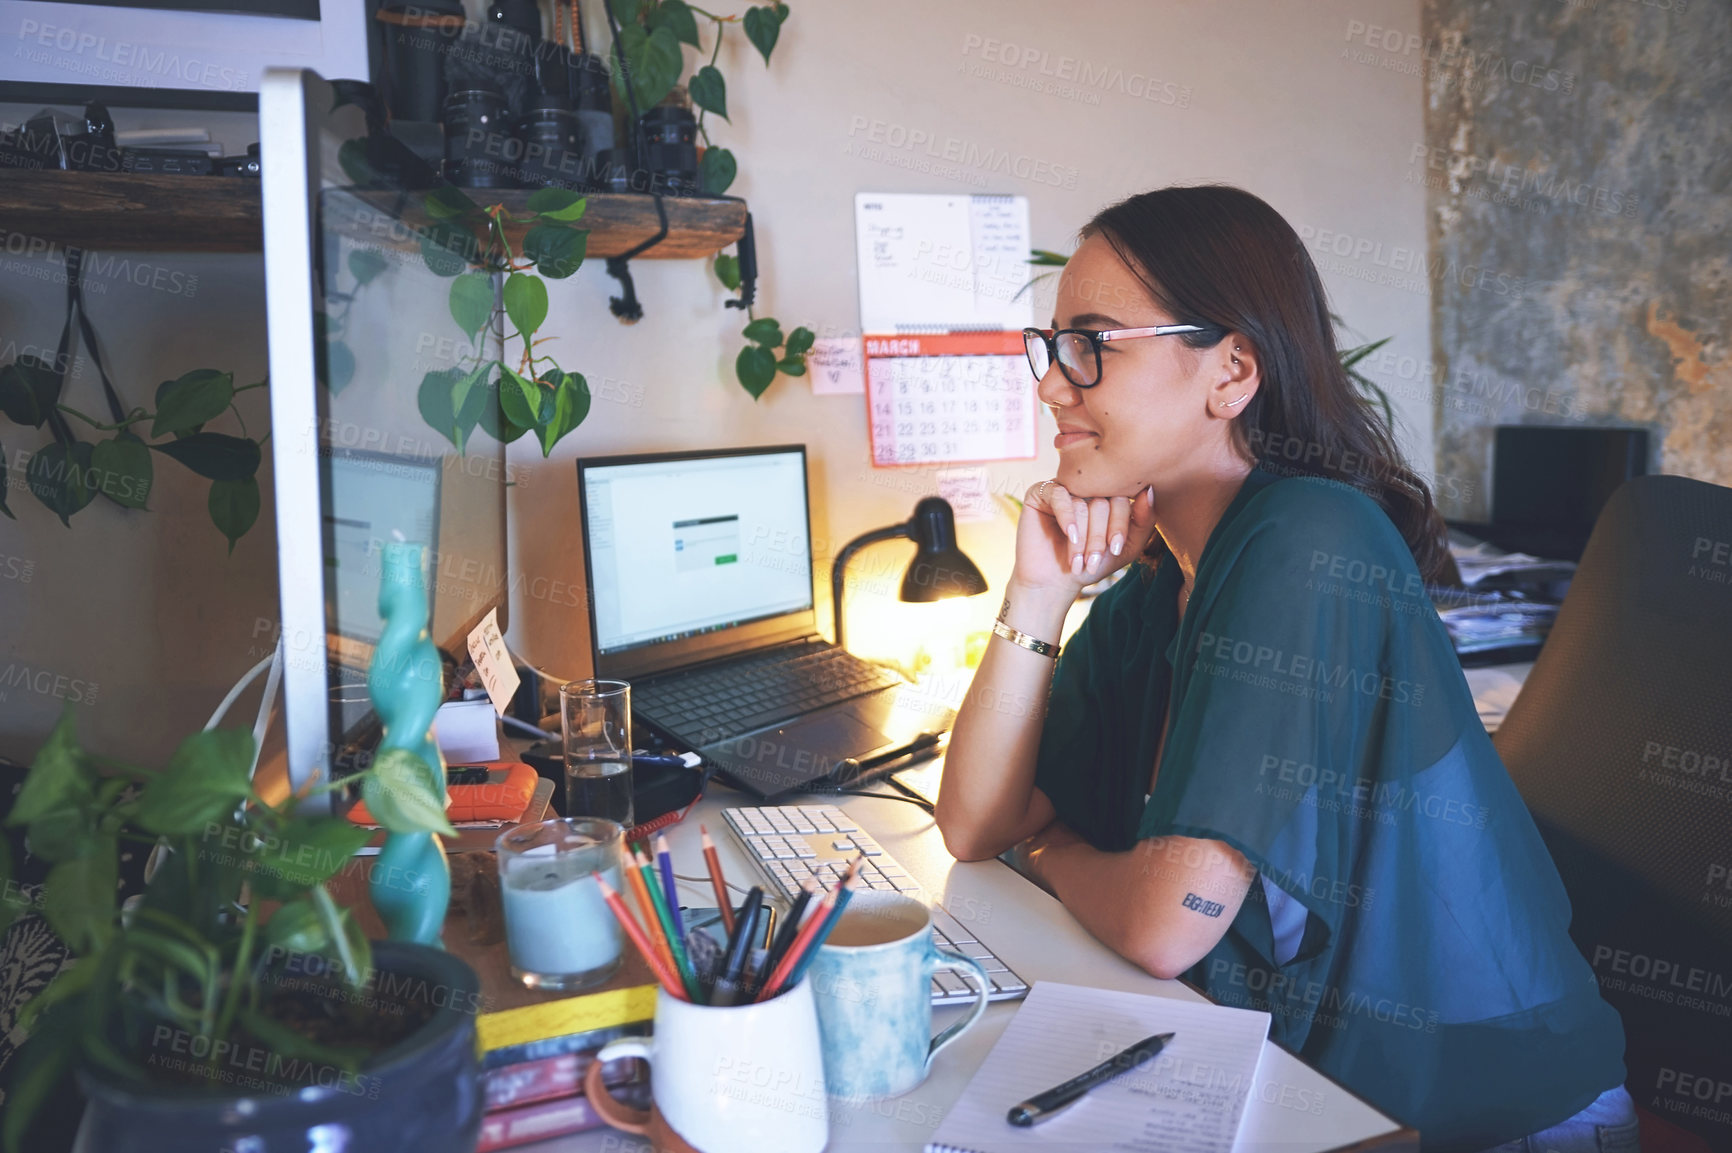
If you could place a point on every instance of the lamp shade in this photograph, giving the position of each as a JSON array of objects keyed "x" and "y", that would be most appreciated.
[{"x": 939, "y": 568}]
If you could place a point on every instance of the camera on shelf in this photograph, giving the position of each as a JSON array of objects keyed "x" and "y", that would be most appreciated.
[{"x": 500, "y": 106}]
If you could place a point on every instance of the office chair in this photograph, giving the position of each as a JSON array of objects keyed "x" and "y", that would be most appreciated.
[{"x": 1620, "y": 741}]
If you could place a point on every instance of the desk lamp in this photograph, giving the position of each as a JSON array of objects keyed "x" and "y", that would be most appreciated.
[{"x": 939, "y": 569}]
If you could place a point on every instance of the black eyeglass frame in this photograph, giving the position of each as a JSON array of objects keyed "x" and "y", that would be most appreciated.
[{"x": 1096, "y": 338}]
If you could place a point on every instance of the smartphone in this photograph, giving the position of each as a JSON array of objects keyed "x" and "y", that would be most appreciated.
[{"x": 710, "y": 921}]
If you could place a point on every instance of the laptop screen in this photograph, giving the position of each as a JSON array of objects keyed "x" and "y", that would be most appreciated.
[{"x": 695, "y": 544}]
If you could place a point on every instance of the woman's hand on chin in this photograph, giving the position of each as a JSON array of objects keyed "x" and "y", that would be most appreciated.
[{"x": 1064, "y": 542}]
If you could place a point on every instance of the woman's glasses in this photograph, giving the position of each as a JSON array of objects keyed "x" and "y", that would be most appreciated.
[{"x": 1078, "y": 350}]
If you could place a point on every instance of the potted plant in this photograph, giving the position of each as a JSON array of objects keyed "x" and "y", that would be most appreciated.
[{"x": 233, "y": 1004}]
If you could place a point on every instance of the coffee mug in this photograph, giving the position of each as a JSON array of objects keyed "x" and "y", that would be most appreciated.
[
  {"x": 733, "y": 1079},
  {"x": 872, "y": 981}
]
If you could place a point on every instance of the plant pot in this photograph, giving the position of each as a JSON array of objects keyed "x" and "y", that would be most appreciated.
[{"x": 422, "y": 1094}]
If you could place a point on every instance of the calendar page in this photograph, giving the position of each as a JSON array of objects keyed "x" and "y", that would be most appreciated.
[{"x": 949, "y": 398}]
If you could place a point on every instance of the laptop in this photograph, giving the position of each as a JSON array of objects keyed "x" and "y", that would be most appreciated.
[{"x": 701, "y": 596}]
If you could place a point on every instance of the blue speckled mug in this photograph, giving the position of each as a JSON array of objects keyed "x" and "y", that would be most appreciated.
[{"x": 872, "y": 984}]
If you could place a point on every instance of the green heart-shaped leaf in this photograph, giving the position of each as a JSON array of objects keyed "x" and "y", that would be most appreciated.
[
  {"x": 655, "y": 67},
  {"x": 446, "y": 248},
  {"x": 122, "y": 471},
  {"x": 525, "y": 302},
  {"x": 764, "y": 331},
  {"x": 728, "y": 271},
  {"x": 196, "y": 397},
  {"x": 28, "y": 392},
  {"x": 716, "y": 170},
  {"x": 570, "y": 406},
  {"x": 234, "y": 507},
  {"x": 299, "y": 854},
  {"x": 763, "y": 26},
  {"x": 756, "y": 368},
  {"x": 519, "y": 399},
  {"x": 214, "y": 455},
  {"x": 207, "y": 776},
  {"x": 58, "y": 477},
  {"x": 709, "y": 91},
  {"x": 79, "y": 896},
  {"x": 399, "y": 794},
  {"x": 800, "y": 341},
  {"x": 556, "y": 249},
  {"x": 676, "y": 17},
  {"x": 471, "y": 301},
  {"x": 60, "y": 777},
  {"x": 433, "y": 398}
]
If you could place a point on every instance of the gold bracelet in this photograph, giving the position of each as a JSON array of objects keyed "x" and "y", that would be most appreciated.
[{"x": 1018, "y": 637}]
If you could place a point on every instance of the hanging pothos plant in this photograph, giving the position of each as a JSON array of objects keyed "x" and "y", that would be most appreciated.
[
  {"x": 69, "y": 473},
  {"x": 649, "y": 54}
]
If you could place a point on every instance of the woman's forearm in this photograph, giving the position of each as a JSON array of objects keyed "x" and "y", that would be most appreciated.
[
  {"x": 987, "y": 801},
  {"x": 1162, "y": 904}
]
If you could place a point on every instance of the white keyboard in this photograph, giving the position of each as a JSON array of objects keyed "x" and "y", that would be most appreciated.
[{"x": 792, "y": 842}]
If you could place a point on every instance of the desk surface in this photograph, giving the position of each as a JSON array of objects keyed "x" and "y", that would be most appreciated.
[{"x": 1293, "y": 1108}]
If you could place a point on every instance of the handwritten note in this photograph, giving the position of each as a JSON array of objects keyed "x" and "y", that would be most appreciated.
[
  {"x": 493, "y": 662},
  {"x": 942, "y": 262}
]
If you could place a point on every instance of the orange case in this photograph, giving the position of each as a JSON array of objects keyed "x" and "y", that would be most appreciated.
[{"x": 502, "y": 800}]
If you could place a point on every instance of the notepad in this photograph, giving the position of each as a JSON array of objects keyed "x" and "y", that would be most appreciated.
[{"x": 1192, "y": 1096}]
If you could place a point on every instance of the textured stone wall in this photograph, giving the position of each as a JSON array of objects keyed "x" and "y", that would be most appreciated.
[{"x": 1578, "y": 168}]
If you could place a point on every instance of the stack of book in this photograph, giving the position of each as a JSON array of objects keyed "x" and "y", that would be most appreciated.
[
  {"x": 536, "y": 1048},
  {"x": 534, "y": 1089}
]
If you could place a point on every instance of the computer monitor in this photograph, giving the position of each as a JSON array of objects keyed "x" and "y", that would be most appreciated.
[
  {"x": 359, "y": 328},
  {"x": 1549, "y": 484},
  {"x": 695, "y": 555}
]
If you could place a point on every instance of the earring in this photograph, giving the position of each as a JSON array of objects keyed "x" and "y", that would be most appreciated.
[{"x": 1235, "y": 403}]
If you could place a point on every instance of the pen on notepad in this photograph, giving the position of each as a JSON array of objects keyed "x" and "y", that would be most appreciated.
[{"x": 1045, "y": 1106}]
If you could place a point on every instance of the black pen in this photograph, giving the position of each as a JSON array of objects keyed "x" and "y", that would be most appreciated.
[
  {"x": 1047, "y": 1105},
  {"x": 727, "y": 985}
]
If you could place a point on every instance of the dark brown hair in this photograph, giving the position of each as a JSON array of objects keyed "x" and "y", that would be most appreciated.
[{"x": 1219, "y": 257}]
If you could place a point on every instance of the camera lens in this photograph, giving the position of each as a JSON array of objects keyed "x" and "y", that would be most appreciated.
[
  {"x": 552, "y": 143},
  {"x": 668, "y": 148},
  {"x": 479, "y": 146}
]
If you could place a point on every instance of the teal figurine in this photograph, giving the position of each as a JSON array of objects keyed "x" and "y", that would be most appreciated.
[{"x": 411, "y": 884}]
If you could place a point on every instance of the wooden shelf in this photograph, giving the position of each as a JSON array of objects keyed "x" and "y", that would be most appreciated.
[{"x": 131, "y": 212}]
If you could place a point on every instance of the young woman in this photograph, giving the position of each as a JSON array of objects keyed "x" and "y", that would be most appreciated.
[{"x": 1258, "y": 765}]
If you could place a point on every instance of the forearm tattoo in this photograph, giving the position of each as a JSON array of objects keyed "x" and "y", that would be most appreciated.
[{"x": 1207, "y": 908}]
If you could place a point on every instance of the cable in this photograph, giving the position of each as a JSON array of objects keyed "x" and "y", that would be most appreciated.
[{"x": 922, "y": 802}]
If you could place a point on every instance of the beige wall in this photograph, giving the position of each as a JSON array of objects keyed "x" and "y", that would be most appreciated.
[
  {"x": 1255, "y": 94},
  {"x": 148, "y": 606}
]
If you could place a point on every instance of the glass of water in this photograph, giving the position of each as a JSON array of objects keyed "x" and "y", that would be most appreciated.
[{"x": 596, "y": 717}]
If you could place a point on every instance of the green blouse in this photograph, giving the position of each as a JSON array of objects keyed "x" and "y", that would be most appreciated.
[{"x": 1407, "y": 930}]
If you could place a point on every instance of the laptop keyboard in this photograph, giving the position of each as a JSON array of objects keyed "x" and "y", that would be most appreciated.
[
  {"x": 749, "y": 693},
  {"x": 789, "y": 843}
]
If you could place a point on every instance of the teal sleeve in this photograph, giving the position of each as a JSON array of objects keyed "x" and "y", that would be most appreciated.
[
  {"x": 1312, "y": 673},
  {"x": 1092, "y": 740}
]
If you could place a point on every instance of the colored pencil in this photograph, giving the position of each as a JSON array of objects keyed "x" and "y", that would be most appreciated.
[
  {"x": 652, "y": 923},
  {"x": 676, "y": 947},
  {"x": 665, "y": 860},
  {"x": 669, "y": 981},
  {"x": 819, "y": 920},
  {"x": 811, "y": 954},
  {"x": 717, "y": 882}
]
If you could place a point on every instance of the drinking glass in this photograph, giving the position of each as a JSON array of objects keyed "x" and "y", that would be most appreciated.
[{"x": 596, "y": 717}]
